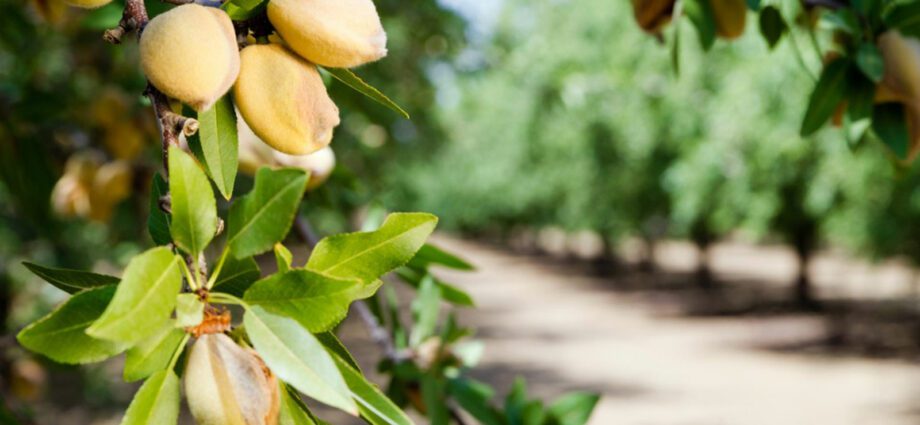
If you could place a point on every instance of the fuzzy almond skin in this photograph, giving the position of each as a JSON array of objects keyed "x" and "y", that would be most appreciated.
[
  {"x": 730, "y": 16},
  {"x": 226, "y": 384},
  {"x": 332, "y": 33},
  {"x": 283, "y": 100},
  {"x": 87, "y": 4},
  {"x": 190, "y": 54}
]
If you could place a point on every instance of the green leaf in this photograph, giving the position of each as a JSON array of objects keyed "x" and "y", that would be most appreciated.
[
  {"x": 194, "y": 212},
  {"x": 283, "y": 258},
  {"x": 574, "y": 408},
  {"x": 772, "y": 25},
  {"x": 71, "y": 281},
  {"x": 263, "y": 217},
  {"x": 157, "y": 402},
  {"x": 842, "y": 20},
  {"x": 241, "y": 10},
  {"x": 144, "y": 299},
  {"x": 425, "y": 310},
  {"x": 675, "y": 46},
  {"x": 332, "y": 343},
  {"x": 153, "y": 354},
  {"x": 889, "y": 122},
  {"x": 903, "y": 16},
  {"x": 216, "y": 144},
  {"x": 374, "y": 406},
  {"x": 450, "y": 293},
  {"x": 429, "y": 254},
  {"x": 158, "y": 220},
  {"x": 296, "y": 357},
  {"x": 293, "y": 411},
  {"x": 860, "y": 96},
  {"x": 352, "y": 80},
  {"x": 753, "y": 5},
  {"x": 827, "y": 94},
  {"x": 700, "y": 14},
  {"x": 476, "y": 398},
  {"x": 61, "y": 335},
  {"x": 433, "y": 391},
  {"x": 869, "y": 60},
  {"x": 189, "y": 310},
  {"x": 316, "y": 301},
  {"x": 237, "y": 275},
  {"x": 369, "y": 255}
]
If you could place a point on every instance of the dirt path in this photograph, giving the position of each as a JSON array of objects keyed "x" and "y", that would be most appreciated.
[{"x": 564, "y": 331}]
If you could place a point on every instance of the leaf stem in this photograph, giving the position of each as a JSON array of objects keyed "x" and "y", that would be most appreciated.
[
  {"x": 224, "y": 298},
  {"x": 175, "y": 357},
  {"x": 220, "y": 265},
  {"x": 192, "y": 283}
]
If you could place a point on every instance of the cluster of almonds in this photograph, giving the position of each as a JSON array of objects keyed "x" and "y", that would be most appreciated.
[{"x": 729, "y": 15}]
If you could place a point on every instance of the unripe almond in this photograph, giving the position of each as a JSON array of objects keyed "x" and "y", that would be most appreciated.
[
  {"x": 283, "y": 99},
  {"x": 226, "y": 384},
  {"x": 255, "y": 154},
  {"x": 320, "y": 164},
  {"x": 111, "y": 185},
  {"x": 730, "y": 17},
  {"x": 652, "y": 15},
  {"x": 190, "y": 54},
  {"x": 333, "y": 33}
]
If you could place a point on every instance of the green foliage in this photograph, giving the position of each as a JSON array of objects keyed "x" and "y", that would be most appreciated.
[
  {"x": 350, "y": 79},
  {"x": 153, "y": 354},
  {"x": 157, "y": 402},
  {"x": 71, "y": 281},
  {"x": 193, "y": 212},
  {"x": 297, "y": 357},
  {"x": 263, "y": 217},
  {"x": 316, "y": 301},
  {"x": 215, "y": 144}
]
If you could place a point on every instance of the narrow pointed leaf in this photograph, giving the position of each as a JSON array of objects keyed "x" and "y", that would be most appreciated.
[
  {"x": 145, "y": 298},
  {"x": 826, "y": 96},
  {"x": 194, "y": 212},
  {"x": 429, "y": 254},
  {"x": 316, "y": 301},
  {"x": 71, "y": 281},
  {"x": 369, "y": 255},
  {"x": 293, "y": 411},
  {"x": 335, "y": 346},
  {"x": 216, "y": 144},
  {"x": 425, "y": 310},
  {"x": 375, "y": 407},
  {"x": 574, "y": 408},
  {"x": 263, "y": 217},
  {"x": 283, "y": 258},
  {"x": 157, "y": 402},
  {"x": 352, "y": 80},
  {"x": 61, "y": 335},
  {"x": 296, "y": 357}
]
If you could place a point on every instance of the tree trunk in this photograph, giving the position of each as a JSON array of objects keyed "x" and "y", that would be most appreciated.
[
  {"x": 804, "y": 292},
  {"x": 647, "y": 259},
  {"x": 704, "y": 277}
]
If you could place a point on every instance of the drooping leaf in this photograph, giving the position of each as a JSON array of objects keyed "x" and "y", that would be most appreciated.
[
  {"x": 264, "y": 216},
  {"x": 369, "y": 255},
  {"x": 71, "y": 281},
  {"x": 216, "y": 144},
  {"x": 700, "y": 14},
  {"x": 826, "y": 96},
  {"x": 869, "y": 61},
  {"x": 316, "y": 301},
  {"x": 152, "y": 354},
  {"x": 189, "y": 310},
  {"x": 296, "y": 357},
  {"x": 158, "y": 220},
  {"x": 157, "y": 402},
  {"x": 194, "y": 212},
  {"x": 425, "y": 310},
  {"x": 237, "y": 275},
  {"x": 145, "y": 298},
  {"x": 574, "y": 408},
  {"x": 375, "y": 407},
  {"x": 350, "y": 79},
  {"x": 283, "y": 258},
  {"x": 772, "y": 25},
  {"x": 429, "y": 254},
  {"x": 889, "y": 122},
  {"x": 61, "y": 335}
]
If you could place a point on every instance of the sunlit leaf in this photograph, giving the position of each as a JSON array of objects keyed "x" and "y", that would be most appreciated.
[
  {"x": 263, "y": 217},
  {"x": 194, "y": 212}
]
